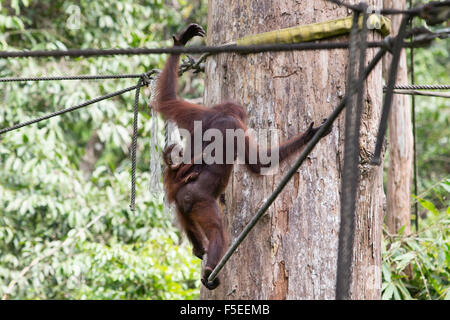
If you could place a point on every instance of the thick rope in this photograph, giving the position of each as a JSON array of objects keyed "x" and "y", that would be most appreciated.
[
  {"x": 60, "y": 112},
  {"x": 78, "y": 77},
  {"x": 423, "y": 93},
  {"x": 357, "y": 8},
  {"x": 414, "y": 86},
  {"x": 350, "y": 172},
  {"x": 228, "y": 48},
  {"x": 413, "y": 112},
  {"x": 134, "y": 144}
]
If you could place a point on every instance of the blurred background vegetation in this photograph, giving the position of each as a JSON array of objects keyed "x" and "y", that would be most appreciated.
[{"x": 58, "y": 175}]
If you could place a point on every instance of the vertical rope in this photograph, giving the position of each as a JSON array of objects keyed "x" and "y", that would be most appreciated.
[
  {"x": 134, "y": 145},
  {"x": 350, "y": 173},
  {"x": 413, "y": 111}
]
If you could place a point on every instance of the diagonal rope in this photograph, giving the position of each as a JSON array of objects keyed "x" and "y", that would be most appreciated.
[
  {"x": 63, "y": 111},
  {"x": 396, "y": 51},
  {"x": 413, "y": 120}
]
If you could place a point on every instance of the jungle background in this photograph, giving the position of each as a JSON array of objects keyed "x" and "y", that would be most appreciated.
[{"x": 60, "y": 174}]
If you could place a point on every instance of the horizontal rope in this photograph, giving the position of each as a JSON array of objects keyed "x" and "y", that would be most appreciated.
[
  {"x": 387, "y": 11},
  {"x": 189, "y": 64},
  {"x": 80, "y": 77},
  {"x": 192, "y": 50},
  {"x": 421, "y": 87},
  {"x": 425, "y": 11},
  {"x": 423, "y": 93},
  {"x": 229, "y": 48},
  {"x": 179, "y": 50}
]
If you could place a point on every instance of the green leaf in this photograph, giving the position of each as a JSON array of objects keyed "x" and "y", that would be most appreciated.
[
  {"x": 446, "y": 185},
  {"x": 388, "y": 293},
  {"x": 428, "y": 205}
]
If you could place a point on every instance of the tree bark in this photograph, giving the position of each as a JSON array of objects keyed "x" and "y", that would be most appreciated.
[
  {"x": 398, "y": 190},
  {"x": 292, "y": 251}
]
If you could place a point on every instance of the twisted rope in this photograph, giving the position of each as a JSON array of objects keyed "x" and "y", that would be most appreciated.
[
  {"x": 423, "y": 93},
  {"x": 421, "y": 86},
  {"x": 142, "y": 81},
  {"x": 227, "y": 48},
  {"x": 350, "y": 172},
  {"x": 60, "y": 112},
  {"x": 413, "y": 112},
  {"x": 79, "y": 77}
]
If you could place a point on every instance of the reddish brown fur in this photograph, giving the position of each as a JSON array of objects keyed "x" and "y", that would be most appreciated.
[
  {"x": 196, "y": 199},
  {"x": 175, "y": 176}
]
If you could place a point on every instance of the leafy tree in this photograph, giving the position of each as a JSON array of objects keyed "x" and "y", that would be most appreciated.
[
  {"x": 426, "y": 251},
  {"x": 51, "y": 186}
]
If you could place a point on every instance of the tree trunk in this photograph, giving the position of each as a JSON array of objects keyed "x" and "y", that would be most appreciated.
[
  {"x": 292, "y": 251},
  {"x": 398, "y": 190}
]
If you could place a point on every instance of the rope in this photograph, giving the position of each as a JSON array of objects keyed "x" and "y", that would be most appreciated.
[
  {"x": 78, "y": 77},
  {"x": 134, "y": 144},
  {"x": 413, "y": 112},
  {"x": 143, "y": 80},
  {"x": 350, "y": 172},
  {"x": 60, "y": 112},
  {"x": 421, "y": 86},
  {"x": 228, "y": 48},
  {"x": 423, "y": 93},
  {"x": 357, "y": 8}
]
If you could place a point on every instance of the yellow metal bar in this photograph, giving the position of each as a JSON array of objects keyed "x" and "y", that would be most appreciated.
[{"x": 316, "y": 31}]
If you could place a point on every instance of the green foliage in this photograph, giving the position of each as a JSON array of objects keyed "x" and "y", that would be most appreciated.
[
  {"x": 46, "y": 193},
  {"x": 433, "y": 124},
  {"x": 417, "y": 266}
]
